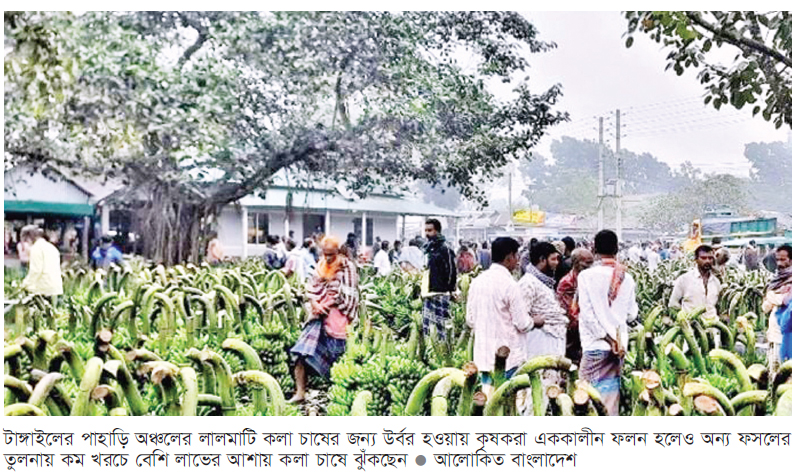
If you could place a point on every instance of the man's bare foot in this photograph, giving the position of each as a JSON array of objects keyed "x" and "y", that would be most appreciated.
[{"x": 296, "y": 399}]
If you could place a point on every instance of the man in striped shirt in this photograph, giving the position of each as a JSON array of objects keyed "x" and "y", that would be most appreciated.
[{"x": 495, "y": 311}]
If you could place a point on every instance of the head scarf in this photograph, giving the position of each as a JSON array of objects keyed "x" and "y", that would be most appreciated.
[{"x": 328, "y": 270}]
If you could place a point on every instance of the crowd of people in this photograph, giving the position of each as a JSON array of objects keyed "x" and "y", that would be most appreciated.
[{"x": 535, "y": 298}]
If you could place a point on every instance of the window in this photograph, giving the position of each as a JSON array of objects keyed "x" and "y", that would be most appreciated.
[
  {"x": 358, "y": 222},
  {"x": 257, "y": 228}
]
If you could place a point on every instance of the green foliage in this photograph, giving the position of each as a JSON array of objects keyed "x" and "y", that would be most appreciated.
[{"x": 761, "y": 71}]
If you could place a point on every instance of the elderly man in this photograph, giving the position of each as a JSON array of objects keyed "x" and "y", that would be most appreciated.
[
  {"x": 495, "y": 311},
  {"x": 581, "y": 259},
  {"x": 333, "y": 297},
  {"x": 698, "y": 287},
  {"x": 44, "y": 274},
  {"x": 606, "y": 294}
]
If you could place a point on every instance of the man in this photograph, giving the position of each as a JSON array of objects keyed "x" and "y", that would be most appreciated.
[
  {"x": 751, "y": 256},
  {"x": 376, "y": 247},
  {"x": 484, "y": 256},
  {"x": 635, "y": 254},
  {"x": 439, "y": 281},
  {"x": 106, "y": 254},
  {"x": 293, "y": 261},
  {"x": 581, "y": 259},
  {"x": 395, "y": 252},
  {"x": 698, "y": 287},
  {"x": 215, "y": 251},
  {"x": 333, "y": 297},
  {"x": 382, "y": 262},
  {"x": 44, "y": 272},
  {"x": 565, "y": 262},
  {"x": 769, "y": 261},
  {"x": 540, "y": 301},
  {"x": 412, "y": 258},
  {"x": 722, "y": 258},
  {"x": 606, "y": 294},
  {"x": 496, "y": 313},
  {"x": 273, "y": 257},
  {"x": 778, "y": 303},
  {"x": 351, "y": 246},
  {"x": 308, "y": 259}
]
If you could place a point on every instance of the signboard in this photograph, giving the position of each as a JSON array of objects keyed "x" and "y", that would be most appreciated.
[{"x": 526, "y": 216}]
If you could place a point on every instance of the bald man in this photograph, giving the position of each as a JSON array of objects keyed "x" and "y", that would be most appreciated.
[{"x": 581, "y": 259}]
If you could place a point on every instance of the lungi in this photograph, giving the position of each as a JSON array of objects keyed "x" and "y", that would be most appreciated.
[
  {"x": 602, "y": 369},
  {"x": 318, "y": 349},
  {"x": 436, "y": 311}
]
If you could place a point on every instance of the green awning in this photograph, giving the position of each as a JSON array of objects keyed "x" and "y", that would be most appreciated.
[{"x": 45, "y": 207}]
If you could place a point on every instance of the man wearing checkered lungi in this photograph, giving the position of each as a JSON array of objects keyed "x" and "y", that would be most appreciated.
[
  {"x": 440, "y": 279},
  {"x": 333, "y": 296}
]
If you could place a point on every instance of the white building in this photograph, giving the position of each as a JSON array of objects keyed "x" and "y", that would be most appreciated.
[{"x": 244, "y": 226}]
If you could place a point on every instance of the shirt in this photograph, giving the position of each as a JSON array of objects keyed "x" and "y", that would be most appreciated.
[
  {"x": 689, "y": 292},
  {"x": 105, "y": 257},
  {"x": 495, "y": 311},
  {"x": 215, "y": 251},
  {"x": 44, "y": 274},
  {"x": 383, "y": 263},
  {"x": 413, "y": 256},
  {"x": 540, "y": 300},
  {"x": 597, "y": 318}
]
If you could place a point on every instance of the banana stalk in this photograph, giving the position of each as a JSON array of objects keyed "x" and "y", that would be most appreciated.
[
  {"x": 505, "y": 393},
  {"x": 224, "y": 378},
  {"x": 439, "y": 405},
  {"x": 119, "y": 370},
  {"x": 360, "y": 405},
  {"x": 188, "y": 406},
  {"x": 419, "y": 394},
  {"x": 251, "y": 359},
  {"x": 269, "y": 385},
  {"x": 23, "y": 409},
  {"x": 91, "y": 377},
  {"x": 694, "y": 389},
  {"x": 471, "y": 373}
]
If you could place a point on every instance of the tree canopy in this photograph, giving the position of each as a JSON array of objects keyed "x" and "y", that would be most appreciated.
[
  {"x": 197, "y": 109},
  {"x": 761, "y": 71}
]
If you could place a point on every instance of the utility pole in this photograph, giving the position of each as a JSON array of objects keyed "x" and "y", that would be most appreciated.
[
  {"x": 510, "y": 188},
  {"x": 618, "y": 182},
  {"x": 601, "y": 175}
]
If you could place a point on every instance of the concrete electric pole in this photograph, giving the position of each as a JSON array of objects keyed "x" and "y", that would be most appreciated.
[
  {"x": 618, "y": 181},
  {"x": 601, "y": 175}
]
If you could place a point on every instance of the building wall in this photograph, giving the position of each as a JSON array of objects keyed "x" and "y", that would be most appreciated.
[
  {"x": 19, "y": 185},
  {"x": 231, "y": 230}
]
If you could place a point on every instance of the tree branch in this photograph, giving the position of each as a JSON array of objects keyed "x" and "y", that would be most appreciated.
[
  {"x": 202, "y": 37},
  {"x": 741, "y": 41}
]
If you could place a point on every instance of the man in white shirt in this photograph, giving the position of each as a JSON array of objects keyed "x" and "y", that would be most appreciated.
[
  {"x": 652, "y": 257},
  {"x": 635, "y": 253},
  {"x": 44, "y": 275},
  {"x": 606, "y": 306},
  {"x": 382, "y": 261},
  {"x": 496, "y": 312},
  {"x": 698, "y": 287},
  {"x": 412, "y": 258}
]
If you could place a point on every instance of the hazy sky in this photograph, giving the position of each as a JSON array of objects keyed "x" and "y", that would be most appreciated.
[{"x": 662, "y": 113}]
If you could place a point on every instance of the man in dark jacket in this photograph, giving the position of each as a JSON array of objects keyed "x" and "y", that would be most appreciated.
[{"x": 440, "y": 280}]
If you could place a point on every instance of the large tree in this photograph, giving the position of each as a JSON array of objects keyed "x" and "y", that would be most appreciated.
[
  {"x": 570, "y": 183},
  {"x": 771, "y": 175},
  {"x": 196, "y": 110},
  {"x": 673, "y": 212},
  {"x": 761, "y": 71}
]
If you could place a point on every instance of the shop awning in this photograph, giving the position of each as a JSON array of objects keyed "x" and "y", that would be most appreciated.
[{"x": 46, "y": 207}]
